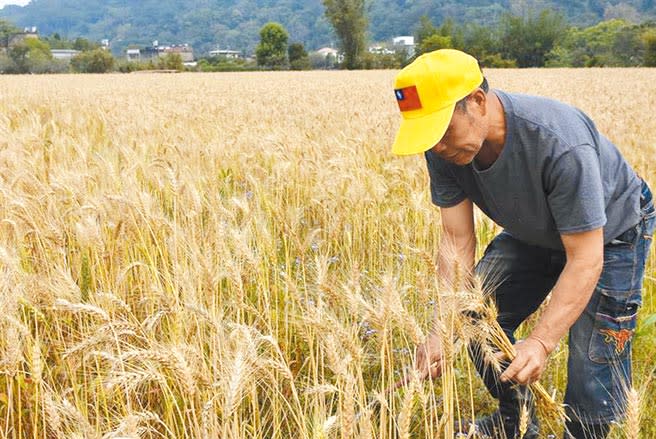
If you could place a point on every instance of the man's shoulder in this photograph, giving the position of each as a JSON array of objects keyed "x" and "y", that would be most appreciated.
[
  {"x": 536, "y": 109},
  {"x": 539, "y": 119}
]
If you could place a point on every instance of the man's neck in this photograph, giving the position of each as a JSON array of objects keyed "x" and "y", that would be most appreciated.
[{"x": 496, "y": 138}]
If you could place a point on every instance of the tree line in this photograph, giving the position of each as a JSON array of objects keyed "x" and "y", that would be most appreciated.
[
  {"x": 34, "y": 55},
  {"x": 235, "y": 24},
  {"x": 545, "y": 39},
  {"x": 542, "y": 39}
]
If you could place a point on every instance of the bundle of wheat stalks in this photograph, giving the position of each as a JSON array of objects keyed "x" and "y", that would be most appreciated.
[
  {"x": 471, "y": 316},
  {"x": 463, "y": 316}
]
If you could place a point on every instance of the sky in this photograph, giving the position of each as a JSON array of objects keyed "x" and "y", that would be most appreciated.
[{"x": 3, "y": 3}]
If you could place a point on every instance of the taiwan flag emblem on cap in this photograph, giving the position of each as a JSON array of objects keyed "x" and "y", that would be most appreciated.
[{"x": 408, "y": 98}]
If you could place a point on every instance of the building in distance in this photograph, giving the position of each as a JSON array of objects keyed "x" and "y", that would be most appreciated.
[
  {"x": 64, "y": 53},
  {"x": 155, "y": 51},
  {"x": 406, "y": 43},
  {"x": 229, "y": 54},
  {"x": 184, "y": 50},
  {"x": 13, "y": 40},
  {"x": 133, "y": 54}
]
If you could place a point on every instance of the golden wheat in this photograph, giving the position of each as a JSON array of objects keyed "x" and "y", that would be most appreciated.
[{"x": 240, "y": 256}]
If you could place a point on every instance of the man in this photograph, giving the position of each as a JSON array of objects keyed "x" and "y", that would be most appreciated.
[{"x": 577, "y": 223}]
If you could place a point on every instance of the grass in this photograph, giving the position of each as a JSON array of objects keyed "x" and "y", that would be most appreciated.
[{"x": 240, "y": 256}]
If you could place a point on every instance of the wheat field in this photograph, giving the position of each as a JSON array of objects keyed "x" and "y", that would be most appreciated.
[{"x": 240, "y": 256}]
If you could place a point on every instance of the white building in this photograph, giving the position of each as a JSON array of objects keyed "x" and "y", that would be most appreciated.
[
  {"x": 184, "y": 50},
  {"x": 230, "y": 54},
  {"x": 63, "y": 53},
  {"x": 406, "y": 43},
  {"x": 133, "y": 54}
]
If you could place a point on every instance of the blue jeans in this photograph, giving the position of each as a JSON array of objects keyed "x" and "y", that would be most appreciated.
[{"x": 599, "y": 363}]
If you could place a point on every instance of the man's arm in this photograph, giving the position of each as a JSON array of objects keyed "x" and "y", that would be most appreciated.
[
  {"x": 585, "y": 258},
  {"x": 456, "y": 252},
  {"x": 457, "y": 247}
]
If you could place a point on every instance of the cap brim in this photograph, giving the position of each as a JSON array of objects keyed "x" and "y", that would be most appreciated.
[{"x": 420, "y": 134}]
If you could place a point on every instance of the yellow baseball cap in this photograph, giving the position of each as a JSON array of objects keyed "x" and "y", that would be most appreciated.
[{"x": 427, "y": 91}]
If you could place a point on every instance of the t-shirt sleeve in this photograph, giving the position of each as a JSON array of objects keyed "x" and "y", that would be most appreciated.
[
  {"x": 445, "y": 191},
  {"x": 575, "y": 191}
]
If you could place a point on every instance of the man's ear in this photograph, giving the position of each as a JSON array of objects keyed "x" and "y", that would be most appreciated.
[{"x": 479, "y": 100}]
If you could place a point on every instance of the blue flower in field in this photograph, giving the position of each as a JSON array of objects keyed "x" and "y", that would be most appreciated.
[
  {"x": 314, "y": 246},
  {"x": 249, "y": 195},
  {"x": 367, "y": 330},
  {"x": 333, "y": 260},
  {"x": 401, "y": 257},
  {"x": 297, "y": 261}
]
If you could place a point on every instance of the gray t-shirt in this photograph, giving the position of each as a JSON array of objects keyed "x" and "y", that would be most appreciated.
[{"x": 555, "y": 175}]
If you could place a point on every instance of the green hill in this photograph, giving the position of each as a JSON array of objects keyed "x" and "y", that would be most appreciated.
[{"x": 235, "y": 24}]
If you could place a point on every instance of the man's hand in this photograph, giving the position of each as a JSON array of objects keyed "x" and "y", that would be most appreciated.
[
  {"x": 429, "y": 357},
  {"x": 530, "y": 362},
  {"x": 572, "y": 292}
]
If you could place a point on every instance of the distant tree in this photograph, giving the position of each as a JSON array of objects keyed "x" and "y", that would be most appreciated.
[
  {"x": 629, "y": 48},
  {"x": 19, "y": 59},
  {"x": 649, "y": 39},
  {"x": 350, "y": 23},
  {"x": 496, "y": 61},
  {"x": 93, "y": 61},
  {"x": 7, "y": 30},
  {"x": 322, "y": 62},
  {"x": 224, "y": 64},
  {"x": 609, "y": 43},
  {"x": 481, "y": 41},
  {"x": 84, "y": 45},
  {"x": 298, "y": 57},
  {"x": 424, "y": 30},
  {"x": 447, "y": 36},
  {"x": 453, "y": 31},
  {"x": 171, "y": 61},
  {"x": 6, "y": 64},
  {"x": 272, "y": 51},
  {"x": 435, "y": 42},
  {"x": 30, "y": 56},
  {"x": 381, "y": 61},
  {"x": 529, "y": 39},
  {"x": 56, "y": 42}
]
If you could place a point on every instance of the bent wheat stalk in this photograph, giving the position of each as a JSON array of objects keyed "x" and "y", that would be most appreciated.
[{"x": 544, "y": 402}]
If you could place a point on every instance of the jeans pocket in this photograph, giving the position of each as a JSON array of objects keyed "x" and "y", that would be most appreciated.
[
  {"x": 627, "y": 238},
  {"x": 614, "y": 325}
]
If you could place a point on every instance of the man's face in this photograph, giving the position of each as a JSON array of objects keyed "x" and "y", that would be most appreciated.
[{"x": 464, "y": 136}]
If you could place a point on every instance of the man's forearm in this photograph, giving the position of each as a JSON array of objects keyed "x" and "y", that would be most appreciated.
[
  {"x": 455, "y": 261},
  {"x": 568, "y": 300}
]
